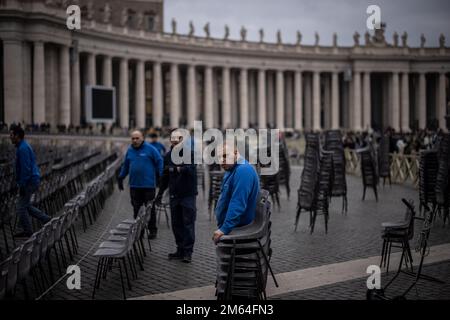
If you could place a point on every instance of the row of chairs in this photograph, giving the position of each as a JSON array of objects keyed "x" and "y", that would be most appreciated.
[
  {"x": 124, "y": 249},
  {"x": 29, "y": 258}
]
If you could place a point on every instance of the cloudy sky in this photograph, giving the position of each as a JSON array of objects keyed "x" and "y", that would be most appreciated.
[{"x": 344, "y": 17}]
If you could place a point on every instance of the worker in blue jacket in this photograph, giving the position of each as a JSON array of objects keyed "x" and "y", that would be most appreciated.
[
  {"x": 27, "y": 179},
  {"x": 144, "y": 164},
  {"x": 181, "y": 179},
  {"x": 158, "y": 145},
  {"x": 240, "y": 188}
]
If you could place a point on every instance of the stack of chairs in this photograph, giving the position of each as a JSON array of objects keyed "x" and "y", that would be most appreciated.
[
  {"x": 442, "y": 179},
  {"x": 323, "y": 189},
  {"x": 333, "y": 142},
  {"x": 7, "y": 216},
  {"x": 368, "y": 171},
  {"x": 201, "y": 177},
  {"x": 428, "y": 169},
  {"x": 243, "y": 257},
  {"x": 384, "y": 160},
  {"x": 306, "y": 191},
  {"x": 215, "y": 185},
  {"x": 285, "y": 167},
  {"x": 271, "y": 183}
]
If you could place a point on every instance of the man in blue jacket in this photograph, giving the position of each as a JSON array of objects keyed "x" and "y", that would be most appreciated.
[
  {"x": 240, "y": 188},
  {"x": 182, "y": 182},
  {"x": 28, "y": 179},
  {"x": 158, "y": 145},
  {"x": 144, "y": 164}
]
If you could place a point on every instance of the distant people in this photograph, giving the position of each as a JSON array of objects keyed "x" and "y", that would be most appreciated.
[
  {"x": 143, "y": 163},
  {"x": 158, "y": 145},
  {"x": 27, "y": 179},
  {"x": 182, "y": 182},
  {"x": 239, "y": 193}
]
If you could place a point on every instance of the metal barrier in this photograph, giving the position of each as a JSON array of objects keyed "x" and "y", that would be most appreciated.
[{"x": 404, "y": 168}]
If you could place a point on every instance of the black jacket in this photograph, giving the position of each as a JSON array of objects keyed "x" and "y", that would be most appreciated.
[{"x": 181, "y": 184}]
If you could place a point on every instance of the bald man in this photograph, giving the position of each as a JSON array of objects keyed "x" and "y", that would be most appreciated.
[
  {"x": 239, "y": 192},
  {"x": 144, "y": 164}
]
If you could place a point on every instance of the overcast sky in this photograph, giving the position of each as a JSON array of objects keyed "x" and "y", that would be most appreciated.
[{"x": 344, "y": 17}]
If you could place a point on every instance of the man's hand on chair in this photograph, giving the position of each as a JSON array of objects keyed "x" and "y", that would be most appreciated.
[{"x": 217, "y": 235}]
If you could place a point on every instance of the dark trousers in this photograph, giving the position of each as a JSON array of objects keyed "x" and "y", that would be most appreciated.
[
  {"x": 184, "y": 212},
  {"x": 139, "y": 197},
  {"x": 24, "y": 209}
]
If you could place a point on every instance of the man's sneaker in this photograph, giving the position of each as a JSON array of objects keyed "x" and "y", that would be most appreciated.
[
  {"x": 22, "y": 234},
  {"x": 187, "y": 259},
  {"x": 175, "y": 256}
]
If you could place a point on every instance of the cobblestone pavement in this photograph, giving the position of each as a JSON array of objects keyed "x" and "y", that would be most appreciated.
[
  {"x": 351, "y": 236},
  {"x": 356, "y": 289}
]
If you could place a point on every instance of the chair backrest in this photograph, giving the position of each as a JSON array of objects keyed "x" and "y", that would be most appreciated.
[
  {"x": 409, "y": 217},
  {"x": 36, "y": 254},
  {"x": 24, "y": 266},
  {"x": 46, "y": 230},
  {"x": 12, "y": 269},
  {"x": 4, "y": 267}
]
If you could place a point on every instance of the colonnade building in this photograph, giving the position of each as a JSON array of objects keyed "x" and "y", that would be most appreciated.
[{"x": 171, "y": 79}]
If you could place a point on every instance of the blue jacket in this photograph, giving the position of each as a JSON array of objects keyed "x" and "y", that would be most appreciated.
[
  {"x": 27, "y": 171},
  {"x": 143, "y": 164},
  {"x": 160, "y": 147},
  {"x": 237, "y": 202}
]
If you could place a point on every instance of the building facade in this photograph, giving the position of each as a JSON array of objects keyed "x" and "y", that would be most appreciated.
[{"x": 169, "y": 79}]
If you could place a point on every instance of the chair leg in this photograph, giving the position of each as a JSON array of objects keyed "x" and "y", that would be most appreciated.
[
  {"x": 126, "y": 272},
  {"x": 121, "y": 281}
]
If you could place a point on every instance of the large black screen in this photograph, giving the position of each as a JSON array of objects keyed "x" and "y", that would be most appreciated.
[{"x": 102, "y": 104}]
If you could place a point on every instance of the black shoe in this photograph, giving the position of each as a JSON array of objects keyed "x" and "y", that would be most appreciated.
[
  {"x": 175, "y": 256},
  {"x": 187, "y": 259},
  {"x": 22, "y": 234}
]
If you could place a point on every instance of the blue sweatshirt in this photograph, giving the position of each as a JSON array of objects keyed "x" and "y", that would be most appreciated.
[
  {"x": 143, "y": 164},
  {"x": 160, "y": 147},
  {"x": 27, "y": 171},
  {"x": 237, "y": 202}
]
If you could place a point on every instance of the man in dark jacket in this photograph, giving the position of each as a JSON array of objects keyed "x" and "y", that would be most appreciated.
[
  {"x": 28, "y": 179},
  {"x": 182, "y": 182},
  {"x": 144, "y": 164}
]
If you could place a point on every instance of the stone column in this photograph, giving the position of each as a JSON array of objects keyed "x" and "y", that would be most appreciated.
[
  {"x": 326, "y": 103},
  {"x": 226, "y": 98},
  {"x": 107, "y": 71},
  {"x": 157, "y": 95},
  {"x": 405, "y": 103},
  {"x": 422, "y": 101},
  {"x": 76, "y": 91},
  {"x": 38, "y": 83},
  {"x": 261, "y": 106},
  {"x": 208, "y": 98},
  {"x": 334, "y": 100},
  {"x": 140, "y": 94},
  {"x": 191, "y": 95},
  {"x": 280, "y": 100},
  {"x": 356, "y": 101},
  {"x": 395, "y": 105},
  {"x": 64, "y": 81},
  {"x": 13, "y": 80},
  {"x": 243, "y": 98},
  {"x": 308, "y": 103},
  {"x": 124, "y": 91},
  {"x": 367, "y": 115},
  {"x": 316, "y": 101},
  {"x": 91, "y": 69},
  {"x": 442, "y": 102},
  {"x": 298, "y": 101},
  {"x": 174, "y": 96}
]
